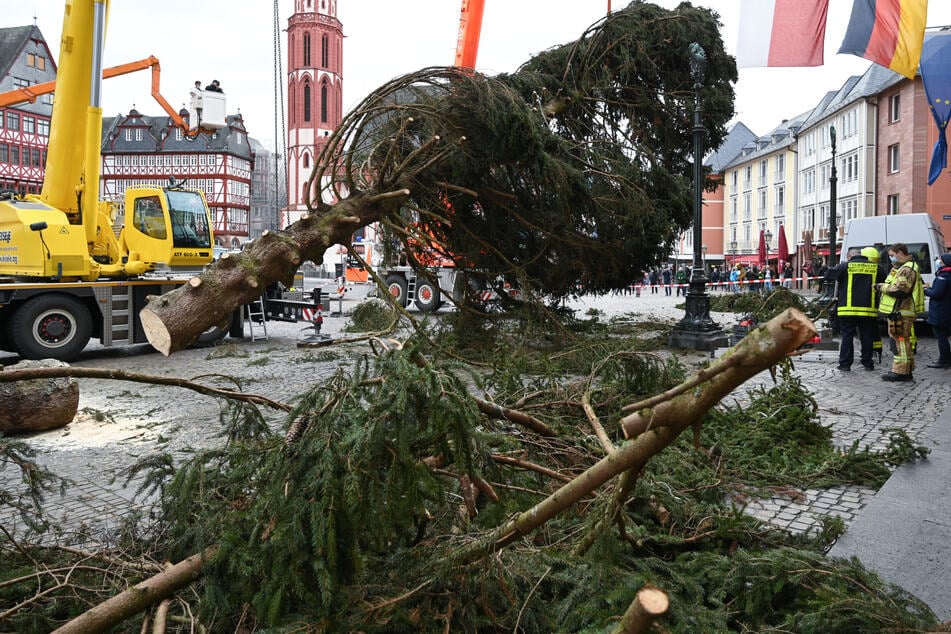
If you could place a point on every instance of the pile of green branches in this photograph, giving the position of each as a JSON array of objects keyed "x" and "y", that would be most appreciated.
[
  {"x": 764, "y": 306},
  {"x": 354, "y": 519}
]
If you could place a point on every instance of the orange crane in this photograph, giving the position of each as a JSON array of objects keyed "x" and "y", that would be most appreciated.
[
  {"x": 470, "y": 30},
  {"x": 30, "y": 93}
]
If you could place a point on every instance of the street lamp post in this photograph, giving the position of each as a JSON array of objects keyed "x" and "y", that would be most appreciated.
[
  {"x": 733, "y": 250},
  {"x": 828, "y": 287},
  {"x": 703, "y": 250},
  {"x": 697, "y": 329}
]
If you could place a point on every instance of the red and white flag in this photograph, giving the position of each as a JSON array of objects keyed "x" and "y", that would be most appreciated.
[{"x": 781, "y": 33}]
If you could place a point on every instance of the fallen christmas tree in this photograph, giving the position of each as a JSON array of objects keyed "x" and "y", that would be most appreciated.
[{"x": 394, "y": 502}]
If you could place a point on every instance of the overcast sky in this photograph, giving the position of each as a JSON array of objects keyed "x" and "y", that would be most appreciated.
[{"x": 234, "y": 42}]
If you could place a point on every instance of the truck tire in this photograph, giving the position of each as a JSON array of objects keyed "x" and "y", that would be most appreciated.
[
  {"x": 398, "y": 288},
  {"x": 428, "y": 297},
  {"x": 210, "y": 338},
  {"x": 52, "y": 327}
]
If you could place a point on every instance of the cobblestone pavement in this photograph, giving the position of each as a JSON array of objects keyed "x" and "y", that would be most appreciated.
[{"x": 121, "y": 422}]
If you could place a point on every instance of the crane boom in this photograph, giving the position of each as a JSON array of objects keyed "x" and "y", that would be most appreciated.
[
  {"x": 470, "y": 30},
  {"x": 30, "y": 93}
]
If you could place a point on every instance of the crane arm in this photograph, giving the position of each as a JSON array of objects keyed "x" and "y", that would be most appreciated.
[
  {"x": 30, "y": 93},
  {"x": 470, "y": 30}
]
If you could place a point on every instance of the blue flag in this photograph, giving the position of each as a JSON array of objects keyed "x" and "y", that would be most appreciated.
[{"x": 936, "y": 76}]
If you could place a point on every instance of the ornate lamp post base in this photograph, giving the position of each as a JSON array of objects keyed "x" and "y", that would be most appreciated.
[{"x": 697, "y": 330}]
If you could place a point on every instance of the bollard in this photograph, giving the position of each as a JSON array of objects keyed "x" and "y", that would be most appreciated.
[{"x": 637, "y": 291}]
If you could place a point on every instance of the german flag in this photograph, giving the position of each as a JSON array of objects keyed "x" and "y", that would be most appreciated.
[{"x": 887, "y": 32}]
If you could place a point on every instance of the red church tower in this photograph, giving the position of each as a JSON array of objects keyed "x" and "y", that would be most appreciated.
[{"x": 314, "y": 93}]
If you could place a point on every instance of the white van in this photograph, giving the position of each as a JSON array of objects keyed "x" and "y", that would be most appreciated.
[{"x": 918, "y": 232}]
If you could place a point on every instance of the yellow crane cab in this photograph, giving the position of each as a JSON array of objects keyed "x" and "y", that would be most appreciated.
[{"x": 168, "y": 228}]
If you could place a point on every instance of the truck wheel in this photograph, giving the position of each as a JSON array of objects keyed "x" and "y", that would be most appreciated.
[
  {"x": 210, "y": 338},
  {"x": 398, "y": 289},
  {"x": 52, "y": 327},
  {"x": 428, "y": 297}
]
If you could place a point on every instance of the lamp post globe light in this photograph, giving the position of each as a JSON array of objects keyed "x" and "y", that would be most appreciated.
[
  {"x": 768, "y": 237},
  {"x": 697, "y": 329}
]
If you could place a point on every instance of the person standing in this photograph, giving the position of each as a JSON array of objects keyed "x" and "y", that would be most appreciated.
[
  {"x": 681, "y": 278},
  {"x": 197, "y": 99},
  {"x": 668, "y": 277},
  {"x": 902, "y": 299},
  {"x": 939, "y": 311},
  {"x": 856, "y": 300}
]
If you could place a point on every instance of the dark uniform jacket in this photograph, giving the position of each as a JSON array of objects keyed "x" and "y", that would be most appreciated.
[{"x": 856, "y": 280}]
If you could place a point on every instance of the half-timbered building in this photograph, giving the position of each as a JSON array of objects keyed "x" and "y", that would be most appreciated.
[
  {"x": 25, "y": 60},
  {"x": 139, "y": 149}
]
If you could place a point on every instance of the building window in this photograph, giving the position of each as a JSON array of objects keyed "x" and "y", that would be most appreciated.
[
  {"x": 763, "y": 168},
  {"x": 43, "y": 127},
  {"x": 323, "y": 102},
  {"x": 128, "y": 134},
  {"x": 892, "y": 205},
  {"x": 780, "y": 200},
  {"x": 35, "y": 154},
  {"x": 850, "y": 209},
  {"x": 810, "y": 142},
  {"x": 747, "y": 206},
  {"x": 19, "y": 82},
  {"x": 809, "y": 181},
  {"x": 761, "y": 207},
  {"x": 734, "y": 179},
  {"x": 780, "y": 167},
  {"x": 14, "y": 155},
  {"x": 850, "y": 168},
  {"x": 894, "y": 108},
  {"x": 13, "y": 121},
  {"x": 306, "y": 49},
  {"x": 35, "y": 61},
  {"x": 749, "y": 177},
  {"x": 306, "y": 102},
  {"x": 179, "y": 135},
  {"x": 850, "y": 124},
  {"x": 29, "y": 125},
  {"x": 325, "y": 51},
  {"x": 894, "y": 159},
  {"x": 4, "y": 153},
  {"x": 824, "y": 171},
  {"x": 138, "y": 134}
]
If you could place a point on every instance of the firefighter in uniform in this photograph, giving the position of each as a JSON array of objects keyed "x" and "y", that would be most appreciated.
[
  {"x": 857, "y": 310},
  {"x": 873, "y": 256},
  {"x": 902, "y": 300}
]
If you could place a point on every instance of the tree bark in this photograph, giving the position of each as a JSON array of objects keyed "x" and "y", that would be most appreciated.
[
  {"x": 38, "y": 404},
  {"x": 758, "y": 351},
  {"x": 174, "y": 320},
  {"x": 136, "y": 599}
]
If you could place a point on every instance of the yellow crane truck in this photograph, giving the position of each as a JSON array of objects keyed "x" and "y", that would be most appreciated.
[{"x": 73, "y": 267}]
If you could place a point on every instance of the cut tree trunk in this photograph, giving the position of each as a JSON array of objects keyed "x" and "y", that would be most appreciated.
[
  {"x": 649, "y": 604},
  {"x": 37, "y": 404},
  {"x": 174, "y": 320}
]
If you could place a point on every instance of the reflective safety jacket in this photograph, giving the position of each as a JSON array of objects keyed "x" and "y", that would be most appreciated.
[
  {"x": 903, "y": 291},
  {"x": 857, "y": 296}
]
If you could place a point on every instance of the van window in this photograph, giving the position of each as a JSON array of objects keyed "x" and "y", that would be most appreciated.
[{"x": 919, "y": 251}]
